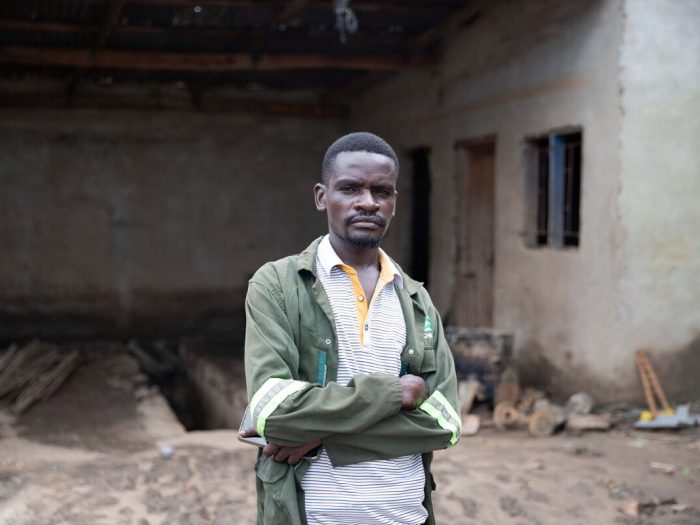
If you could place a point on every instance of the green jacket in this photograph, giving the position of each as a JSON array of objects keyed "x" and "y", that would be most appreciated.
[{"x": 291, "y": 362}]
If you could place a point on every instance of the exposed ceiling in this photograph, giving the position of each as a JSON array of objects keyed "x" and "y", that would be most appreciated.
[{"x": 203, "y": 45}]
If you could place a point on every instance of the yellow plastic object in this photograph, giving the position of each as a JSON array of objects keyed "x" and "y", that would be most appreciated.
[{"x": 646, "y": 415}]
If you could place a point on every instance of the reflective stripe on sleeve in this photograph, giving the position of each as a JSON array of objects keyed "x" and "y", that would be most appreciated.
[
  {"x": 437, "y": 407},
  {"x": 268, "y": 398}
]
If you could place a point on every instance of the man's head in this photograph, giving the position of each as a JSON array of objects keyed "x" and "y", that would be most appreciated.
[
  {"x": 358, "y": 141},
  {"x": 358, "y": 189}
]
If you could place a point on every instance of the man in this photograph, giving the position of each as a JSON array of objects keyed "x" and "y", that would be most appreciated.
[{"x": 346, "y": 352}]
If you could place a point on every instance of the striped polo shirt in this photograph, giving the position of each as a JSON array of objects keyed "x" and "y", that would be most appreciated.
[{"x": 370, "y": 340}]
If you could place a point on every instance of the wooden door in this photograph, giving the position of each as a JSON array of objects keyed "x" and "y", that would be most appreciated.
[{"x": 473, "y": 299}]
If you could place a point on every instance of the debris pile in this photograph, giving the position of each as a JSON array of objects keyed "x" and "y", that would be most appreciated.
[
  {"x": 516, "y": 408},
  {"x": 32, "y": 373}
]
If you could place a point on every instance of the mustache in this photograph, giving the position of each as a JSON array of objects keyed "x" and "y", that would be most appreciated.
[{"x": 365, "y": 217}]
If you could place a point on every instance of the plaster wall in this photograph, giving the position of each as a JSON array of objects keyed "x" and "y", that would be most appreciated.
[
  {"x": 147, "y": 222},
  {"x": 659, "y": 189},
  {"x": 520, "y": 70}
]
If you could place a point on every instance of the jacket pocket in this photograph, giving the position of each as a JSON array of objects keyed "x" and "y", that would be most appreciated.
[{"x": 280, "y": 504}]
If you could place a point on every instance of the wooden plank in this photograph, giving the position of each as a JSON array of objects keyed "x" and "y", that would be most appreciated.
[{"x": 200, "y": 62}]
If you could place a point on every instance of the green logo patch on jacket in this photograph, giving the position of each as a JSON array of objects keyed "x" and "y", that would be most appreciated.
[{"x": 428, "y": 329}]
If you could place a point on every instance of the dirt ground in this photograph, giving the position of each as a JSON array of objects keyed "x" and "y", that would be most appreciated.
[{"x": 96, "y": 454}]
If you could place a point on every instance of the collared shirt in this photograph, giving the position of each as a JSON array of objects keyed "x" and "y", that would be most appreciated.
[{"x": 371, "y": 337}]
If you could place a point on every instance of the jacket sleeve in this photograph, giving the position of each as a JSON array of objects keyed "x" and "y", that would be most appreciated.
[
  {"x": 289, "y": 411},
  {"x": 436, "y": 424}
]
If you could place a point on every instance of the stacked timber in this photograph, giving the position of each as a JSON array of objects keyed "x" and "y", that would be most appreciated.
[{"x": 32, "y": 373}]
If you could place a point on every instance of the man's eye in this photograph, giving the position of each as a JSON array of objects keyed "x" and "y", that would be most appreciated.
[
  {"x": 384, "y": 192},
  {"x": 348, "y": 189}
]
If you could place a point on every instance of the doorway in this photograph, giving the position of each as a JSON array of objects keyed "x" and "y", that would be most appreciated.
[
  {"x": 473, "y": 293},
  {"x": 420, "y": 214}
]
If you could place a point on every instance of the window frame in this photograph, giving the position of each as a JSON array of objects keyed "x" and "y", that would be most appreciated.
[{"x": 556, "y": 201}]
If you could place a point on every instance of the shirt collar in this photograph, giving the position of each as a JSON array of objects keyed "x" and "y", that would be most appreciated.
[{"x": 329, "y": 260}]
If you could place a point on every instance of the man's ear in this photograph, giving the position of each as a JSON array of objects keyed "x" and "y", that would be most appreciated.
[
  {"x": 320, "y": 196},
  {"x": 396, "y": 199}
]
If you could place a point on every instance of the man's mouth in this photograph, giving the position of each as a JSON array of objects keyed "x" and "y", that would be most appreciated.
[{"x": 368, "y": 219}]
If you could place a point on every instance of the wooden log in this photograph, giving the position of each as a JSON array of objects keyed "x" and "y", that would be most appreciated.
[
  {"x": 588, "y": 422},
  {"x": 470, "y": 424},
  {"x": 506, "y": 416},
  {"x": 468, "y": 391},
  {"x": 508, "y": 388},
  {"x": 545, "y": 420}
]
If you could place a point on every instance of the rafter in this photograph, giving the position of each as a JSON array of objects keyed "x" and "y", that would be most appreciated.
[
  {"x": 201, "y": 62},
  {"x": 188, "y": 31}
]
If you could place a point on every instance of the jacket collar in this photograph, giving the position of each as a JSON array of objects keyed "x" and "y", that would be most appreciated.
[{"x": 307, "y": 260}]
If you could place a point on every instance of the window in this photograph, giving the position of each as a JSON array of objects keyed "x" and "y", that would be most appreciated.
[{"x": 554, "y": 189}]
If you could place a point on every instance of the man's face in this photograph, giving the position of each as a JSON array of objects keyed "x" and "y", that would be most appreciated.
[{"x": 360, "y": 197}]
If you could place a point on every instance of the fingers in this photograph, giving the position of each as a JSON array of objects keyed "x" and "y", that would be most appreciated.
[
  {"x": 283, "y": 453},
  {"x": 248, "y": 432},
  {"x": 291, "y": 455},
  {"x": 271, "y": 449}
]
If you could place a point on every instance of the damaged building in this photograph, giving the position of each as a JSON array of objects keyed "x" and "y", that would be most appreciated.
[{"x": 154, "y": 153}]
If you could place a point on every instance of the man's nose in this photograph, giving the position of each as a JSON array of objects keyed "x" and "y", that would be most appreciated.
[{"x": 366, "y": 201}]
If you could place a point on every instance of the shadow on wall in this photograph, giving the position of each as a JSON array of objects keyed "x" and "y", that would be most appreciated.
[
  {"x": 679, "y": 372},
  {"x": 561, "y": 380}
]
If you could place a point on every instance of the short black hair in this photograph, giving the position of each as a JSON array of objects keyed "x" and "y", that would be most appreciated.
[{"x": 358, "y": 141}]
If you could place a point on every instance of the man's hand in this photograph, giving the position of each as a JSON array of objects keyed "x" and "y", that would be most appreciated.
[
  {"x": 414, "y": 391},
  {"x": 291, "y": 455}
]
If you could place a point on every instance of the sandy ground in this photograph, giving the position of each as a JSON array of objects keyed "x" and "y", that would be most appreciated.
[
  {"x": 489, "y": 479},
  {"x": 94, "y": 455}
]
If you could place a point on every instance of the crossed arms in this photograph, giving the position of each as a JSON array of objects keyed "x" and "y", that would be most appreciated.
[{"x": 374, "y": 417}]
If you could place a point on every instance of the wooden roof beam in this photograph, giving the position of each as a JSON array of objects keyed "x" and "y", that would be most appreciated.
[{"x": 201, "y": 62}]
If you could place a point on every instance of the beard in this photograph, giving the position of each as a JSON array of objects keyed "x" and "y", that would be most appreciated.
[{"x": 364, "y": 240}]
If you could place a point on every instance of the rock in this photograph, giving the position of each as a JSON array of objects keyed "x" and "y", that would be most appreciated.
[
  {"x": 580, "y": 403},
  {"x": 629, "y": 508}
]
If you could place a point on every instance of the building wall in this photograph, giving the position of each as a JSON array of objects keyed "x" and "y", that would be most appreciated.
[
  {"x": 520, "y": 70},
  {"x": 659, "y": 189},
  {"x": 117, "y": 222}
]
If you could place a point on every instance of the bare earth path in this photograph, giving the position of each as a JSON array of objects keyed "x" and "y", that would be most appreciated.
[
  {"x": 489, "y": 479},
  {"x": 92, "y": 455}
]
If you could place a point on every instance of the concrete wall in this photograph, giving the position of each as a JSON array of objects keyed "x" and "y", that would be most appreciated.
[
  {"x": 116, "y": 222},
  {"x": 660, "y": 187},
  {"x": 627, "y": 73},
  {"x": 523, "y": 69}
]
